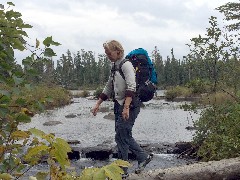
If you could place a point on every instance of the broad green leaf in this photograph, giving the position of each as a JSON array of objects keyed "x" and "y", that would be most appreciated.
[
  {"x": 5, "y": 98},
  {"x": 122, "y": 163},
  {"x": 16, "y": 91},
  {"x": 100, "y": 175},
  {"x": 18, "y": 80},
  {"x": 6, "y": 176},
  {"x": 49, "y": 138},
  {"x": 28, "y": 86},
  {"x": 35, "y": 151},
  {"x": 48, "y": 41},
  {"x": 3, "y": 110},
  {"x": 20, "y": 101},
  {"x": 22, "y": 33},
  {"x": 37, "y": 132},
  {"x": 17, "y": 44},
  {"x": 5, "y": 93},
  {"x": 22, "y": 117},
  {"x": 87, "y": 174},
  {"x": 27, "y": 61},
  {"x": 41, "y": 175},
  {"x": 113, "y": 172},
  {"x": 49, "y": 52},
  {"x": 60, "y": 152},
  {"x": 21, "y": 167},
  {"x": 16, "y": 135}
]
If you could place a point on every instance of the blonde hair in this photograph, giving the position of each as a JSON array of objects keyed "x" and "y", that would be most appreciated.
[{"x": 114, "y": 45}]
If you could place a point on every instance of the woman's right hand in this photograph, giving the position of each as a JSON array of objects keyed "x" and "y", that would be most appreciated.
[{"x": 95, "y": 109}]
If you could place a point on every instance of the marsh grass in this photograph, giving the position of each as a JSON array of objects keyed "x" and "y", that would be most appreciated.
[
  {"x": 217, "y": 98},
  {"x": 49, "y": 96},
  {"x": 178, "y": 91}
]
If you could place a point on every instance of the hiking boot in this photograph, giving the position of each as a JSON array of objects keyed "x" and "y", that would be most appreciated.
[
  {"x": 124, "y": 176},
  {"x": 143, "y": 164}
]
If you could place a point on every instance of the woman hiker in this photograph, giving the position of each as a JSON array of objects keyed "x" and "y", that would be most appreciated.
[{"x": 126, "y": 105}]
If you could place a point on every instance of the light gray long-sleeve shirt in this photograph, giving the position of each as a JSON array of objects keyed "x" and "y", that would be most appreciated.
[{"x": 122, "y": 88}]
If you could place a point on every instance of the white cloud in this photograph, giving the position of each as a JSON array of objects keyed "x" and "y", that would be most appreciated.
[{"x": 86, "y": 24}]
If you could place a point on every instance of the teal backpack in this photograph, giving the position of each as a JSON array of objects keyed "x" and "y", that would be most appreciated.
[{"x": 146, "y": 76}]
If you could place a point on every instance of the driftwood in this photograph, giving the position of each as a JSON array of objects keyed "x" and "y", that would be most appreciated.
[{"x": 226, "y": 169}]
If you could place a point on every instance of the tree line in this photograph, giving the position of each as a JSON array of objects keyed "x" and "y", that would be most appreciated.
[
  {"x": 212, "y": 56},
  {"x": 84, "y": 70}
]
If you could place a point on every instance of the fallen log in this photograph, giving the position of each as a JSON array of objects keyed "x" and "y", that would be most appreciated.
[{"x": 227, "y": 169}]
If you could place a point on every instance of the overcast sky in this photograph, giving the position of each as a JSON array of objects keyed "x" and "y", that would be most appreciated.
[{"x": 86, "y": 24}]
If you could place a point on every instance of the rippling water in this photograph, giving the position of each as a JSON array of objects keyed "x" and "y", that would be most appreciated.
[{"x": 159, "y": 121}]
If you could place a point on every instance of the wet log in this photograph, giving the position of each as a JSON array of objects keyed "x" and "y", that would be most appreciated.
[{"x": 228, "y": 169}]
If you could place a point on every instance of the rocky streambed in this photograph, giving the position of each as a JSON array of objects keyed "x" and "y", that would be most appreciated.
[{"x": 160, "y": 128}]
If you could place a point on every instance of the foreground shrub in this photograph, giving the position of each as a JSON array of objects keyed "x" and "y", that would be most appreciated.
[{"x": 218, "y": 132}]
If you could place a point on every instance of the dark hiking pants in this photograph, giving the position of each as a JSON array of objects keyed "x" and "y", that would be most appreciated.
[{"x": 123, "y": 137}]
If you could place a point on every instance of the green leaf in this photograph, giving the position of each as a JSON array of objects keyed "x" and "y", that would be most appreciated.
[
  {"x": 5, "y": 99},
  {"x": 16, "y": 91},
  {"x": 122, "y": 163},
  {"x": 28, "y": 86},
  {"x": 3, "y": 110},
  {"x": 10, "y": 3},
  {"x": 113, "y": 172},
  {"x": 35, "y": 151},
  {"x": 61, "y": 148},
  {"x": 21, "y": 101},
  {"x": 49, "y": 52},
  {"x": 42, "y": 175},
  {"x": 5, "y": 93},
  {"x": 100, "y": 174},
  {"x": 87, "y": 174},
  {"x": 27, "y": 61},
  {"x": 21, "y": 167},
  {"x": 48, "y": 41},
  {"x": 23, "y": 118},
  {"x": 6, "y": 176},
  {"x": 17, "y": 135},
  {"x": 18, "y": 80},
  {"x": 17, "y": 44},
  {"x": 37, "y": 132}
]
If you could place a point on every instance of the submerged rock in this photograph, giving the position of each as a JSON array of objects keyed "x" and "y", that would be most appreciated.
[{"x": 52, "y": 123}]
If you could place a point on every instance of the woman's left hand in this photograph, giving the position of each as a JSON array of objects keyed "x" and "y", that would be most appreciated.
[{"x": 125, "y": 113}]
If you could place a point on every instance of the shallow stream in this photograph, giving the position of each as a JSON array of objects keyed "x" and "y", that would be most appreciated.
[{"x": 158, "y": 122}]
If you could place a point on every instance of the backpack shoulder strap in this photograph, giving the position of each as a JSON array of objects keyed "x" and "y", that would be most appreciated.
[{"x": 120, "y": 67}]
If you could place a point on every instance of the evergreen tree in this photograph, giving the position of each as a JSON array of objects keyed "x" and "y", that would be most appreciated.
[{"x": 231, "y": 10}]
